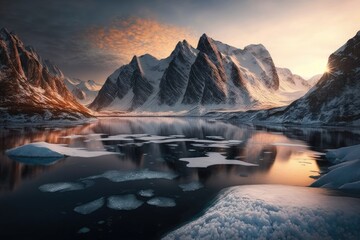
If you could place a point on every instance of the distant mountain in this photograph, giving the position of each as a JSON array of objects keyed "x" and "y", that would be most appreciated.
[
  {"x": 314, "y": 79},
  {"x": 292, "y": 85},
  {"x": 333, "y": 100},
  {"x": 84, "y": 91},
  {"x": 212, "y": 76},
  {"x": 32, "y": 89}
]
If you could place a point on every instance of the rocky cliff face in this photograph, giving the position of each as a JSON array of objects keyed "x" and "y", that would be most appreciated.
[
  {"x": 212, "y": 76},
  {"x": 29, "y": 85}
]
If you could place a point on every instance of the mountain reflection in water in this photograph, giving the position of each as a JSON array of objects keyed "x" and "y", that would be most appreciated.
[{"x": 284, "y": 155}]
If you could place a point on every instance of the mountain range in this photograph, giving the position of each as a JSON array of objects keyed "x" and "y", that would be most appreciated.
[
  {"x": 334, "y": 100},
  {"x": 214, "y": 79},
  {"x": 84, "y": 91},
  {"x": 213, "y": 76},
  {"x": 32, "y": 89}
]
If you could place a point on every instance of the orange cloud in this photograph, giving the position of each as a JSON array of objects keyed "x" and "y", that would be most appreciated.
[{"x": 136, "y": 36}]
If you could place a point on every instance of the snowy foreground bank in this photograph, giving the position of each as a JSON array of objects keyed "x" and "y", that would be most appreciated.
[
  {"x": 346, "y": 173},
  {"x": 275, "y": 212}
]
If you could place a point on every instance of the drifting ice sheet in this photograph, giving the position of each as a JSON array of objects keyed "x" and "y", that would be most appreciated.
[
  {"x": 61, "y": 187},
  {"x": 162, "y": 202},
  {"x": 123, "y": 176},
  {"x": 90, "y": 207},
  {"x": 344, "y": 175},
  {"x": 124, "y": 202},
  {"x": 213, "y": 158},
  {"x": 146, "y": 193},
  {"x": 46, "y": 150},
  {"x": 191, "y": 186},
  {"x": 275, "y": 212}
]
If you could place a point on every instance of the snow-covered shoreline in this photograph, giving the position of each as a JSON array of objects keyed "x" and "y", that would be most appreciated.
[
  {"x": 345, "y": 174},
  {"x": 275, "y": 212}
]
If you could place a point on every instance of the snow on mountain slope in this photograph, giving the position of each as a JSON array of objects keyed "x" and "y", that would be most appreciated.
[
  {"x": 334, "y": 100},
  {"x": 84, "y": 91},
  {"x": 215, "y": 76},
  {"x": 30, "y": 86},
  {"x": 292, "y": 85}
]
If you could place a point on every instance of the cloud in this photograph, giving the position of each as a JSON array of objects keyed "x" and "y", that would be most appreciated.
[{"x": 126, "y": 37}]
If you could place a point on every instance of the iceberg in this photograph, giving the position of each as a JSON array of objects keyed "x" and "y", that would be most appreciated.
[
  {"x": 275, "y": 212},
  {"x": 44, "y": 150}
]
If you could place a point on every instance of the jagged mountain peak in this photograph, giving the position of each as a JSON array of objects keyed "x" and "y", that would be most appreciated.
[
  {"x": 233, "y": 78},
  {"x": 29, "y": 85}
]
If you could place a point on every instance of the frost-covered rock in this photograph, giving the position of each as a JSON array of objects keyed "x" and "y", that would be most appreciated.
[{"x": 275, "y": 212}]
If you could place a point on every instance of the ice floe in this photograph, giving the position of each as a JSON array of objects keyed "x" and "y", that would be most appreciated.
[
  {"x": 46, "y": 150},
  {"x": 186, "y": 187},
  {"x": 290, "y": 145},
  {"x": 275, "y": 212},
  {"x": 61, "y": 187},
  {"x": 346, "y": 173},
  {"x": 90, "y": 207},
  {"x": 124, "y": 202},
  {"x": 146, "y": 193},
  {"x": 212, "y": 158},
  {"x": 84, "y": 230},
  {"x": 123, "y": 176},
  {"x": 162, "y": 202}
]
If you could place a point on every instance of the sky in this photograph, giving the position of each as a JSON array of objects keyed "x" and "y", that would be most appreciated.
[{"x": 89, "y": 39}]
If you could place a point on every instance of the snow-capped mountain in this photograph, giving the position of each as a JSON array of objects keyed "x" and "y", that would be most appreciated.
[
  {"x": 212, "y": 76},
  {"x": 292, "y": 85},
  {"x": 30, "y": 86},
  {"x": 333, "y": 100},
  {"x": 84, "y": 91}
]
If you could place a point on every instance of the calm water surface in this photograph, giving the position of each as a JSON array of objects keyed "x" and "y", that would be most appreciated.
[{"x": 282, "y": 155}]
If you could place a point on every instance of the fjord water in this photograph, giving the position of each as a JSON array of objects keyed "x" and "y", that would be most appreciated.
[{"x": 145, "y": 190}]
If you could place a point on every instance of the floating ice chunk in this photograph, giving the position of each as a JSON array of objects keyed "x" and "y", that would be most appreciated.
[
  {"x": 341, "y": 176},
  {"x": 177, "y": 136},
  {"x": 124, "y": 202},
  {"x": 61, "y": 187},
  {"x": 162, "y": 202},
  {"x": 275, "y": 212},
  {"x": 90, "y": 207},
  {"x": 215, "y": 137},
  {"x": 146, "y": 193},
  {"x": 216, "y": 145},
  {"x": 39, "y": 150},
  {"x": 290, "y": 145},
  {"x": 346, "y": 173},
  {"x": 343, "y": 154},
  {"x": 152, "y": 138},
  {"x": 191, "y": 186},
  {"x": 84, "y": 230},
  {"x": 172, "y": 145},
  {"x": 213, "y": 158},
  {"x": 123, "y": 176},
  {"x": 45, "y": 150}
]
